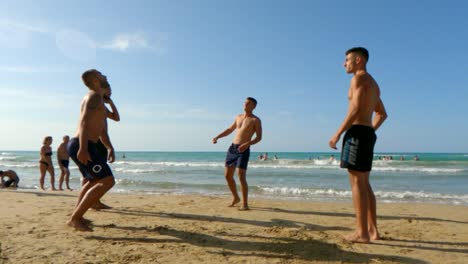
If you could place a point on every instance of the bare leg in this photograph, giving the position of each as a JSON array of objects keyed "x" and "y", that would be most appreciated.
[
  {"x": 62, "y": 175},
  {"x": 244, "y": 188},
  {"x": 229, "y": 174},
  {"x": 52, "y": 177},
  {"x": 89, "y": 195},
  {"x": 42, "y": 169},
  {"x": 359, "y": 186},
  {"x": 98, "y": 205},
  {"x": 67, "y": 179},
  {"x": 372, "y": 215}
]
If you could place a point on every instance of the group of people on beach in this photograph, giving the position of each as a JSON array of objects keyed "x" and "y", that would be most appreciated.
[
  {"x": 91, "y": 148},
  {"x": 366, "y": 113},
  {"x": 46, "y": 165}
]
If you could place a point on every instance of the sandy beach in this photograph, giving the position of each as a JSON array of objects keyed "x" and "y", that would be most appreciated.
[{"x": 201, "y": 229}]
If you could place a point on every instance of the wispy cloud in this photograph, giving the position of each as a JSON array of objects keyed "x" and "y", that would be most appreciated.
[
  {"x": 15, "y": 25},
  {"x": 33, "y": 99},
  {"x": 172, "y": 112},
  {"x": 136, "y": 40},
  {"x": 31, "y": 69},
  {"x": 122, "y": 42}
]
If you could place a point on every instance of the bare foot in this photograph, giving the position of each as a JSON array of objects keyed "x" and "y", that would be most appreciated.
[
  {"x": 244, "y": 208},
  {"x": 79, "y": 226},
  {"x": 60, "y": 189},
  {"x": 234, "y": 202},
  {"x": 355, "y": 238},
  {"x": 53, "y": 189},
  {"x": 70, "y": 189},
  {"x": 85, "y": 221},
  {"x": 100, "y": 206},
  {"x": 374, "y": 236}
]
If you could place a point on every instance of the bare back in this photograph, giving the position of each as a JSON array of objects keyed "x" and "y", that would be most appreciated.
[
  {"x": 367, "y": 90},
  {"x": 246, "y": 126}
]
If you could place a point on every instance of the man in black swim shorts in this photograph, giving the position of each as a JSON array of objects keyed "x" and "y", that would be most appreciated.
[
  {"x": 82, "y": 149},
  {"x": 247, "y": 124},
  {"x": 359, "y": 141}
]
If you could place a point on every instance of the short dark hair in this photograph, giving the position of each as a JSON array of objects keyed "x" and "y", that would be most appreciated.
[
  {"x": 252, "y": 100},
  {"x": 86, "y": 77},
  {"x": 360, "y": 51}
]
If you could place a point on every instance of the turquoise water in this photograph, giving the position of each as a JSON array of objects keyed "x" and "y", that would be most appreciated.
[{"x": 435, "y": 178}]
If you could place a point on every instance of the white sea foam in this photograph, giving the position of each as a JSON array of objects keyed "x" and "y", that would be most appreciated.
[
  {"x": 418, "y": 169},
  {"x": 395, "y": 196},
  {"x": 8, "y": 158},
  {"x": 147, "y": 167}
]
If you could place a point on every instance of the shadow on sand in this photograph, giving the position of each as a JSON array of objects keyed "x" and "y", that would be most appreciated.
[
  {"x": 272, "y": 223},
  {"x": 380, "y": 217},
  {"x": 285, "y": 248}
]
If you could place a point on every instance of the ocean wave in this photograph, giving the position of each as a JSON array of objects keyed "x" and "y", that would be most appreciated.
[
  {"x": 418, "y": 169},
  {"x": 143, "y": 171},
  {"x": 408, "y": 196},
  {"x": 168, "y": 185},
  {"x": 278, "y": 164},
  {"x": 8, "y": 158}
]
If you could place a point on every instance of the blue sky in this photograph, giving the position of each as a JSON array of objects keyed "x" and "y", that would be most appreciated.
[{"x": 180, "y": 70}]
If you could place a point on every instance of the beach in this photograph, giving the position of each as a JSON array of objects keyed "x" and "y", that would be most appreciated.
[{"x": 170, "y": 228}]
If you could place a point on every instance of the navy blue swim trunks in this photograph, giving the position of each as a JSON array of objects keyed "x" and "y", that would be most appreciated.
[
  {"x": 236, "y": 158},
  {"x": 97, "y": 168},
  {"x": 358, "y": 148},
  {"x": 65, "y": 163}
]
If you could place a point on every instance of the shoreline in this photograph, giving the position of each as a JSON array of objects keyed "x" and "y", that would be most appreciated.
[
  {"x": 255, "y": 196},
  {"x": 171, "y": 228}
]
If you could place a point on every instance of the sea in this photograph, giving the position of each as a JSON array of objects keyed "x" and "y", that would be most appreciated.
[{"x": 436, "y": 178}]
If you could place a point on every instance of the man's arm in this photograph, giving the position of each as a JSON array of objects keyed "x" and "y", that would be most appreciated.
[
  {"x": 114, "y": 113},
  {"x": 105, "y": 139},
  {"x": 90, "y": 105},
  {"x": 380, "y": 115},
  {"x": 258, "y": 136},
  {"x": 356, "y": 102},
  {"x": 225, "y": 132}
]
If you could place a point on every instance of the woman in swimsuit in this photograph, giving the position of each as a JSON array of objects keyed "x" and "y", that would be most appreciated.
[{"x": 45, "y": 163}]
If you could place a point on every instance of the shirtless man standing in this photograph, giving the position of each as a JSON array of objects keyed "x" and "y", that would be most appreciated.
[
  {"x": 63, "y": 160},
  {"x": 239, "y": 152},
  {"x": 83, "y": 151},
  {"x": 359, "y": 141}
]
